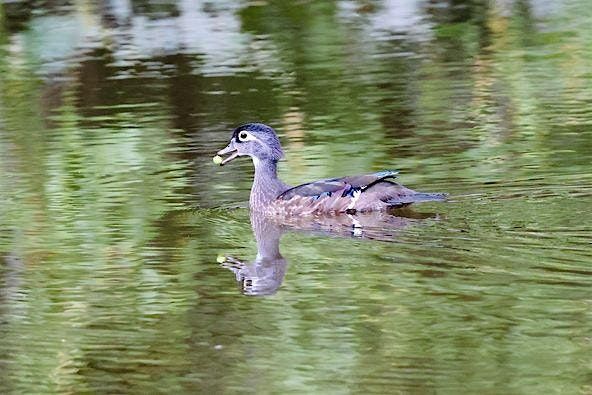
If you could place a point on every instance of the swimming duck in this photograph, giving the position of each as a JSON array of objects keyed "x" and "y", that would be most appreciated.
[{"x": 351, "y": 194}]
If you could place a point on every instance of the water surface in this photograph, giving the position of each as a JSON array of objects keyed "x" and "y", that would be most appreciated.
[{"x": 129, "y": 262}]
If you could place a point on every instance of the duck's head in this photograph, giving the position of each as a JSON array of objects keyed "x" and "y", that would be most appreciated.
[{"x": 256, "y": 140}]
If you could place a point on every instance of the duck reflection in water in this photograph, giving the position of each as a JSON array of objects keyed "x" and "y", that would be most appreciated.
[{"x": 265, "y": 274}]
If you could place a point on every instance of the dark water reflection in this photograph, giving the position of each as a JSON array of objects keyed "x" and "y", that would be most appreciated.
[{"x": 112, "y": 214}]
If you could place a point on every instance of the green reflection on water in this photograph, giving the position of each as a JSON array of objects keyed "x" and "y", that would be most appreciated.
[{"x": 109, "y": 230}]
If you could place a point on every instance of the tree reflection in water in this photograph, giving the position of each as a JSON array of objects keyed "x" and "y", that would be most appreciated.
[{"x": 265, "y": 274}]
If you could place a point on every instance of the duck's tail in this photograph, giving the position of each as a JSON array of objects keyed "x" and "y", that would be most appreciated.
[
  {"x": 417, "y": 197},
  {"x": 428, "y": 197}
]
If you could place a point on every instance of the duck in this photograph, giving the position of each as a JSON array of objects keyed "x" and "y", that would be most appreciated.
[{"x": 332, "y": 196}]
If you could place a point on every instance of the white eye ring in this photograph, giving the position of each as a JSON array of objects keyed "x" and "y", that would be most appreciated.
[{"x": 243, "y": 136}]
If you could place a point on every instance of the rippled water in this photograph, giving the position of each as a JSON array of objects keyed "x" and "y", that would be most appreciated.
[{"x": 130, "y": 263}]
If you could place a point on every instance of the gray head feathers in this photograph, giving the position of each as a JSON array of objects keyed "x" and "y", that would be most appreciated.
[{"x": 262, "y": 141}]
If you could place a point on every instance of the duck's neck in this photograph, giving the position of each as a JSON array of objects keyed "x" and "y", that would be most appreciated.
[{"x": 266, "y": 185}]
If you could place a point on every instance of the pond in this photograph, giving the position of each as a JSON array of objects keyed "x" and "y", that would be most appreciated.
[{"x": 129, "y": 262}]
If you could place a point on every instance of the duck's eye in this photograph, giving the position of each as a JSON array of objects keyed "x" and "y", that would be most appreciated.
[{"x": 245, "y": 136}]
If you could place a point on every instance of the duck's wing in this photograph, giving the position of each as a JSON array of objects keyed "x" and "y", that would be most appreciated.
[{"x": 345, "y": 185}]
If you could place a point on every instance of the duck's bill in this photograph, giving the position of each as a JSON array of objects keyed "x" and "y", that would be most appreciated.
[{"x": 229, "y": 150}]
